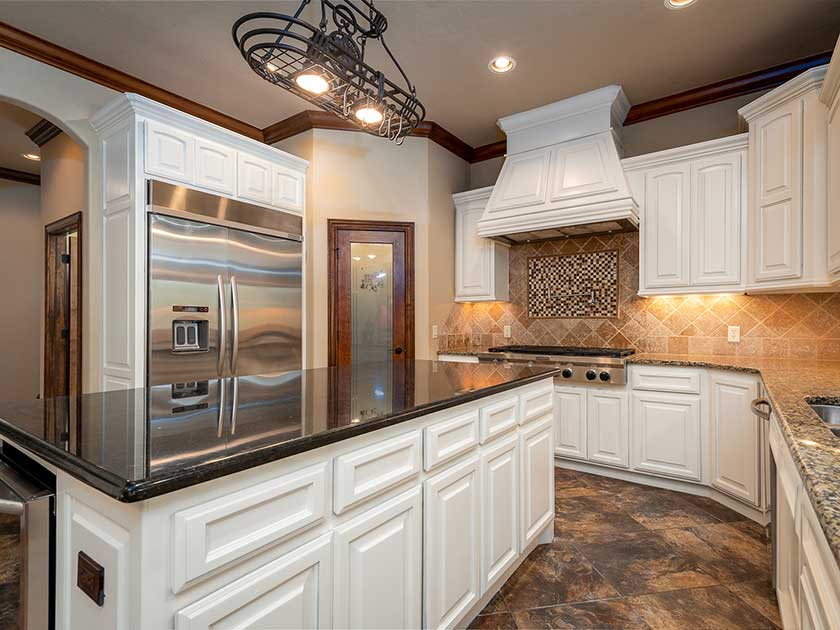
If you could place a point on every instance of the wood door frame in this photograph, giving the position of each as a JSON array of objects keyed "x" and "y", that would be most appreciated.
[
  {"x": 336, "y": 225},
  {"x": 70, "y": 223}
]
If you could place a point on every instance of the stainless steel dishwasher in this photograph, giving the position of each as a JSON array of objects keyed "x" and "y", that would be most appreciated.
[{"x": 27, "y": 543}]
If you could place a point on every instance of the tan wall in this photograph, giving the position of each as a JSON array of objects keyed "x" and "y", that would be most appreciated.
[
  {"x": 63, "y": 182},
  {"x": 21, "y": 251}
]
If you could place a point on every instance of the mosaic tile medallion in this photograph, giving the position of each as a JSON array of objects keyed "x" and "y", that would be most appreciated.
[{"x": 574, "y": 285}]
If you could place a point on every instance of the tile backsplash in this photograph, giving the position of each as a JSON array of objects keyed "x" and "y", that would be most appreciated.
[
  {"x": 573, "y": 285},
  {"x": 801, "y": 325}
]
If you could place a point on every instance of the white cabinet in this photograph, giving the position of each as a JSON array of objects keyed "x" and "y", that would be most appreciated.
[
  {"x": 570, "y": 422},
  {"x": 607, "y": 427},
  {"x": 215, "y": 166},
  {"x": 735, "y": 436},
  {"x": 450, "y": 438},
  {"x": 378, "y": 566},
  {"x": 691, "y": 210},
  {"x": 499, "y": 508},
  {"x": 537, "y": 482},
  {"x": 787, "y": 210},
  {"x": 481, "y": 264},
  {"x": 787, "y": 552},
  {"x": 169, "y": 152},
  {"x": 830, "y": 96},
  {"x": 294, "y": 591},
  {"x": 819, "y": 579},
  {"x": 452, "y": 536},
  {"x": 289, "y": 188},
  {"x": 666, "y": 434},
  {"x": 255, "y": 179}
]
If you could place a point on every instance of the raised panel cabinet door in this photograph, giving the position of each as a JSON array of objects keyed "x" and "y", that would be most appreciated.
[
  {"x": 570, "y": 422},
  {"x": 775, "y": 216},
  {"x": 169, "y": 152},
  {"x": 834, "y": 186},
  {"x": 451, "y": 549},
  {"x": 665, "y": 432},
  {"x": 523, "y": 181},
  {"x": 289, "y": 189},
  {"x": 607, "y": 427},
  {"x": 378, "y": 566},
  {"x": 536, "y": 448},
  {"x": 215, "y": 166},
  {"x": 254, "y": 179},
  {"x": 293, "y": 591},
  {"x": 499, "y": 509},
  {"x": 735, "y": 430},
  {"x": 787, "y": 554},
  {"x": 666, "y": 229},
  {"x": 579, "y": 168},
  {"x": 819, "y": 579},
  {"x": 473, "y": 257},
  {"x": 716, "y": 220}
]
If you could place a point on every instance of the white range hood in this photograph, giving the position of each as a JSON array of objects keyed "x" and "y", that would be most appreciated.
[{"x": 562, "y": 174}]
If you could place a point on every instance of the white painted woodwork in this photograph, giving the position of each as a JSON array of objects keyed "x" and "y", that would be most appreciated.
[
  {"x": 536, "y": 450},
  {"x": 536, "y": 401},
  {"x": 830, "y": 97},
  {"x": 289, "y": 189},
  {"x": 666, "y": 434},
  {"x": 378, "y": 566},
  {"x": 255, "y": 179},
  {"x": 666, "y": 226},
  {"x": 450, "y": 438},
  {"x": 819, "y": 578},
  {"x": 498, "y": 418},
  {"x": 211, "y": 535},
  {"x": 579, "y": 168},
  {"x": 215, "y": 166},
  {"x": 715, "y": 224},
  {"x": 481, "y": 264},
  {"x": 661, "y": 378},
  {"x": 170, "y": 152},
  {"x": 451, "y": 550},
  {"x": 570, "y": 422},
  {"x": 500, "y": 489},
  {"x": 294, "y": 591},
  {"x": 608, "y": 427},
  {"x": 366, "y": 472},
  {"x": 522, "y": 182},
  {"x": 735, "y": 431},
  {"x": 787, "y": 536}
]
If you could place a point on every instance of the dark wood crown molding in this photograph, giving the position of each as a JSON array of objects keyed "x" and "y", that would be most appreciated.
[
  {"x": 20, "y": 176},
  {"x": 42, "y": 132},
  {"x": 74, "y": 63},
  {"x": 489, "y": 151}
]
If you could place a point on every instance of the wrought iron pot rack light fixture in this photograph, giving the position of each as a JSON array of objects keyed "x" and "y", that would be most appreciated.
[{"x": 325, "y": 64}]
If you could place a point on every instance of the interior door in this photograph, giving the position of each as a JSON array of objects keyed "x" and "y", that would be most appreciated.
[
  {"x": 371, "y": 292},
  {"x": 266, "y": 298}
]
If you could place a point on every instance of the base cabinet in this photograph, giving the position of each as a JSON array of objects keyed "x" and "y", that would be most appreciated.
[
  {"x": 537, "y": 449},
  {"x": 666, "y": 434},
  {"x": 499, "y": 509},
  {"x": 570, "y": 422},
  {"x": 608, "y": 427}
]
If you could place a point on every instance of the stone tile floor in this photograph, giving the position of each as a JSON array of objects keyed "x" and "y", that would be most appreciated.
[{"x": 631, "y": 556}]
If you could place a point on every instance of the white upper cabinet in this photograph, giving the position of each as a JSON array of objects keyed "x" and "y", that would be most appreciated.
[
  {"x": 790, "y": 243},
  {"x": 691, "y": 211},
  {"x": 289, "y": 188},
  {"x": 255, "y": 179},
  {"x": 830, "y": 96},
  {"x": 481, "y": 264},
  {"x": 215, "y": 166},
  {"x": 169, "y": 152}
]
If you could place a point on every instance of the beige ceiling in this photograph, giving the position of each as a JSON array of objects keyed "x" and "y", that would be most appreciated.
[
  {"x": 563, "y": 47},
  {"x": 14, "y": 122}
]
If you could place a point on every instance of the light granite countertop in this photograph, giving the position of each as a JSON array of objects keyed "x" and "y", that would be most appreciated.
[{"x": 790, "y": 385}]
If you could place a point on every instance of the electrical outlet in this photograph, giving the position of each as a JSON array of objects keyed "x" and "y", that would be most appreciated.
[
  {"x": 734, "y": 334},
  {"x": 507, "y": 332},
  {"x": 434, "y": 332}
]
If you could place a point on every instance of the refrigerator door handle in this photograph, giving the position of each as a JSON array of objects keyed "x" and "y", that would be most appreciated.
[
  {"x": 234, "y": 296},
  {"x": 220, "y": 422},
  {"x": 234, "y": 405},
  {"x": 222, "y": 326}
]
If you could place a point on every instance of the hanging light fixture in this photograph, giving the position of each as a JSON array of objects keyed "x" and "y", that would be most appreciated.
[{"x": 325, "y": 64}]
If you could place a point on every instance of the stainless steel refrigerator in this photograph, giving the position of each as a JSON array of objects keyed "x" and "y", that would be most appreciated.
[{"x": 224, "y": 287}]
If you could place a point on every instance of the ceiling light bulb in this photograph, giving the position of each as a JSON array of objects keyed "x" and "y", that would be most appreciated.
[
  {"x": 502, "y": 64},
  {"x": 369, "y": 115},
  {"x": 32, "y": 156},
  {"x": 313, "y": 82},
  {"x": 271, "y": 67},
  {"x": 678, "y": 4}
]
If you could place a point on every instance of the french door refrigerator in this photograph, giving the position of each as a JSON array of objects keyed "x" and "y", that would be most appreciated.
[{"x": 224, "y": 289}]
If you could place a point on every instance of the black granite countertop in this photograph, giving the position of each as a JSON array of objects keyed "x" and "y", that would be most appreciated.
[{"x": 140, "y": 443}]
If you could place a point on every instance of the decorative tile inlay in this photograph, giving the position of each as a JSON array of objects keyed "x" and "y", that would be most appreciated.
[{"x": 573, "y": 285}]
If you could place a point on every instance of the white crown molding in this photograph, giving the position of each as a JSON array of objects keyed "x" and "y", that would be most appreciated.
[
  {"x": 472, "y": 199},
  {"x": 134, "y": 104},
  {"x": 737, "y": 142},
  {"x": 831, "y": 82},
  {"x": 807, "y": 81}
]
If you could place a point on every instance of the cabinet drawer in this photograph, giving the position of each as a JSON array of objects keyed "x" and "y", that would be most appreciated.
[
  {"x": 666, "y": 379},
  {"x": 215, "y": 534},
  {"x": 499, "y": 417},
  {"x": 536, "y": 402},
  {"x": 372, "y": 470},
  {"x": 450, "y": 438}
]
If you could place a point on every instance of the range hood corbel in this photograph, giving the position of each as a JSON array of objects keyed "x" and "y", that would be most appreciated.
[{"x": 562, "y": 175}]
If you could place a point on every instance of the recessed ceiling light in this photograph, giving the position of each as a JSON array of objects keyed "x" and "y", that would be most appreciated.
[
  {"x": 678, "y": 4},
  {"x": 502, "y": 64},
  {"x": 32, "y": 156}
]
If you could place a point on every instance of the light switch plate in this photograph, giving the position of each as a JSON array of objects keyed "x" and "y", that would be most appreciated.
[
  {"x": 734, "y": 334},
  {"x": 434, "y": 332},
  {"x": 507, "y": 332}
]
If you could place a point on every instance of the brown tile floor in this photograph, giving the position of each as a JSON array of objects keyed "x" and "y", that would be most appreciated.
[{"x": 632, "y": 556}]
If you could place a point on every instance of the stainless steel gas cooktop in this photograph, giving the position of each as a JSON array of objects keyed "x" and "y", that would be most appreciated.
[{"x": 600, "y": 366}]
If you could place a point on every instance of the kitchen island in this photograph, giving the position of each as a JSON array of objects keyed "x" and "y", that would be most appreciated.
[{"x": 386, "y": 494}]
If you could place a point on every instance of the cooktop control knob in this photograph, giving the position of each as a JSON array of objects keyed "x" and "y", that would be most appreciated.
[
  {"x": 591, "y": 375},
  {"x": 604, "y": 376},
  {"x": 567, "y": 372}
]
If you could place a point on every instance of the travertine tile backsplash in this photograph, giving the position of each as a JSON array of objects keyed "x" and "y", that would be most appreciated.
[{"x": 804, "y": 325}]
